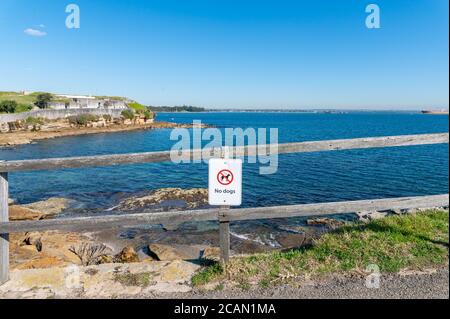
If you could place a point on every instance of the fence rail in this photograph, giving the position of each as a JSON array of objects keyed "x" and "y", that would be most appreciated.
[
  {"x": 222, "y": 214},
  {"x": 251, "y": 150}
]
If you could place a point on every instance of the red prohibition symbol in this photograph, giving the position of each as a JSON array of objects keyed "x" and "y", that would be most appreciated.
[{"x": 225, "y": 177}]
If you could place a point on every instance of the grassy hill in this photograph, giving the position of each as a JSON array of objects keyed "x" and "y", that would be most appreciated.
[
  {"x": 18, "y": 97},
  {"x": 25, "y": 102}
]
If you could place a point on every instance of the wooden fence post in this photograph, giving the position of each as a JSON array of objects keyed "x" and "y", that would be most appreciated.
[
  {"x": 224, "y": 225},
  {"x": 4, "y": 238},
  {"x": 224, "y": 236}
]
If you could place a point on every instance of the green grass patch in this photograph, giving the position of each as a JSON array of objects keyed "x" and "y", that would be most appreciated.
[
  {"x": 23, "y": 108},
  {"x": 393, "y": 243},
  {"x": 116, "y": 98},
  {"x": 137, "y": 107},
  {"x": 23, "y": 100},
  {"x": 208, "y": 274},
  {"x": 34, "y": 120}
]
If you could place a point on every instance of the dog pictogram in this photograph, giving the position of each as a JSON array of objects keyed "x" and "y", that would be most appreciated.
[{"x": 225, "y": 177}]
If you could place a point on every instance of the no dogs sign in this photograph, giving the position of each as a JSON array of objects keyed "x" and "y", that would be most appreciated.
[{"x": 225, "y": 182}]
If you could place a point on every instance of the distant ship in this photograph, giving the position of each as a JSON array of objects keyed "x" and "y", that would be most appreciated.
[{"x": 435, "y": 112}]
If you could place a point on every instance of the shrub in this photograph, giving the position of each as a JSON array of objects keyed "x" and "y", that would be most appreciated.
[
  {"x": 107, "y": 117},
  {"x": 23, "y": 108},
  {"x": 33, "y": 120},
  {"x": 8, "y": 106},
  {"x": 148, "y": 114},
  {"x": 82, "y": 119},
  {"x": 89, "y": 254},
  {"x": 128, "y": 114}
]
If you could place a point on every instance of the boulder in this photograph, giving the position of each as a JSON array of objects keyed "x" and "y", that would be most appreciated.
[
  {"x": 32, "y": 239},
  {"x": 328, "y": 222},
  {"x": 17, "y": 212},
  {"x": 366, "y": 216},
  {"x": 17, "y": 140},
  {"x": 101, "y": 122},
  {"x": 127, "y": 255},
  {"x": 14, "y": 126},
  {"x": 166, "y": 252},
  {"x": 100, "y": 281},
  {"x": 290, "y": 240},
  {"x": 176, "y": 271},
  {"x": 106, "y": 259},
  {"x": 211, "y": 253},
  {"x": 51, "y": 206},
  {"x": 27, "y": 249},
  {"x": 44, "y": 262},
  {"x": 38, "y": 210},
  {"x": 168, "y": 198},
  {"x": 4, "y": 127}
]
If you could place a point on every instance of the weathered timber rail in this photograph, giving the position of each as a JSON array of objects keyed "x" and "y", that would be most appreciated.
[
  {"x": 251, "y": 150},
  {"x": 222, "y": 214},
  {"x": 225, "y": 215}
]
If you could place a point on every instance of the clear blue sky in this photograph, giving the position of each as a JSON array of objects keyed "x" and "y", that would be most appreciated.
[{"x": 230, "y": 53}]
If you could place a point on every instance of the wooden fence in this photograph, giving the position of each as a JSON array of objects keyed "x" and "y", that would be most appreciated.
[{"x": 221, "y": 214}]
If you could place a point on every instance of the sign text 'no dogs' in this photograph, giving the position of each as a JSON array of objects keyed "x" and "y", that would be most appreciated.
[{"x": 225, "y": 182}]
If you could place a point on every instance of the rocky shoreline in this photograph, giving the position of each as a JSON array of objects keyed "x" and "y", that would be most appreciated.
[
  {"x": 61, "y": 129},
  {"x": 140, "y": 260},
  {"x": 188, "y": 241},
  {"x": 56, "y": 249},
  {"x": 162, "y": 243}
]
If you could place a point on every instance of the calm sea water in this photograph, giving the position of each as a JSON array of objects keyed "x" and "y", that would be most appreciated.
[{"x": 301, "y": 178}]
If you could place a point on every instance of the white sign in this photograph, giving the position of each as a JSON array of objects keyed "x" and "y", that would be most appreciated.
[{"x": 225, "y": 182}]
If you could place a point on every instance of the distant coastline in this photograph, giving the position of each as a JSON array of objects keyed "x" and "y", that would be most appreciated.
[
  {"x": 306, "y": 111},
  {"x": 441, "y": 112}
]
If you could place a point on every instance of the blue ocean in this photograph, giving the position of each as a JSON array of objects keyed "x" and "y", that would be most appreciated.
[{"x": 301, "y": 178}]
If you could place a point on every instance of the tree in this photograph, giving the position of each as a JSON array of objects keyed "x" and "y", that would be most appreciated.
[
  {"x": 42, "y": 100},
  {"x": 8, "y": 106},
  {"x": 128, "y": 114},
  {"x": 148, "y": 114}
]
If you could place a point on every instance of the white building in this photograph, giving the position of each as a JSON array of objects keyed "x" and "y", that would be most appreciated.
[{"x": 85, "y": 102}]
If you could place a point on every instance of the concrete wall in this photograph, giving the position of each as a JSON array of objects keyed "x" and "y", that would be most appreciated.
[
  {"x": 87, "y": 104},
  {"x": 56, "y": 114}
]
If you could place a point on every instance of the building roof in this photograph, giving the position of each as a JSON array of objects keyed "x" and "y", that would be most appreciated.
[{"x": 76, "y": 96}]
